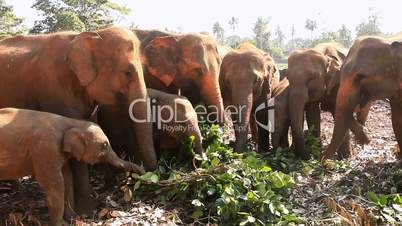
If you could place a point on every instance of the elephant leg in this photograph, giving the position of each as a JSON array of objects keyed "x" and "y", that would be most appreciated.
[
  {"x": 83, "y": 202},
  {"x": 362, "y": 114},
  {"x": 396, "y": 110},
  {"x": 53, "y": 186},
  {"x": 110, "y": 176},
  {"x": 263, "y": 140},
  {"x": 253, "y": 129},
  {"x": 344, "y": 150},
  {"x": 263, "y": 133},
  {"x": 313, "y": 118},
  {"x": 284, "y": 139},
  {"x": 360, "y": 136},
  {"x": 69, "y": 206}
]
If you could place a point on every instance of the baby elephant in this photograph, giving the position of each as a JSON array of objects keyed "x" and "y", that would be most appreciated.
[
  {"x": 40, "y": 144},
  {"x": 175, "y": 120}
]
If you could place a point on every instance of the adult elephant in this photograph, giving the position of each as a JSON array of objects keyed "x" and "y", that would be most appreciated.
[
  {"x": 69, "y": 74},
  {"x": 372, "y": 70},
  {"x": 186, "y": 62},
  {"x": 245, "y": 78},
  {"x": 173, "y": 63},
  {"x": 313, "y": 83}
]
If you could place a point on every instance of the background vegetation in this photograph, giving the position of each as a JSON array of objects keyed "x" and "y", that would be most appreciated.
[{"x": 84, "y": 15}]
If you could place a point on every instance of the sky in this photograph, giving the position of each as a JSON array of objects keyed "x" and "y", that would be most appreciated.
[{"x": 191, "y": 15}]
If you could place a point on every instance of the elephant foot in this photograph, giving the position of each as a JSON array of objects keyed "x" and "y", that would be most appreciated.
[
  {"x": 343, "y": 155},
  {"x": 362, "y": 138},
  {"x": 61, "y": 223},
  {"x": 86, "y": 206},
  {"x": 69, "y": 213}
]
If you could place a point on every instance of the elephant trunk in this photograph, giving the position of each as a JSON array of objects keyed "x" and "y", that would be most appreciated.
[
  {"x": 213, "y": 98},
  {"x": 297, "y": 101},
  {"x": 139, "y": 107},
  {"x": 346, "y": 101},
  {"x": 117, "y": 162},
  {"x": 243, "y": 103}
]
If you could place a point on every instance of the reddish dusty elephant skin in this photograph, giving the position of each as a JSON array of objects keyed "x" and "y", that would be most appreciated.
[
  {"x": 168, "y": 134},
  {"x": 372, "y": 70},
  {"x": 69, "y": 74},
  {"x": 31, "y": 138},
  {"x": 313, "y": 82},
  {"x": 187, "y": 62},
  {"x": 282, "y": 122},
  {"x": 183, "y": 125},
  {"x": 245, "y": 78}
]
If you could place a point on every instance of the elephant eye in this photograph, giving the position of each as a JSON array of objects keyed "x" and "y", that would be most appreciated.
[
  {"x": 105, "y": 145},
  {"x": 127, "y": 73},
  {"x": 197, "y": 72},
  {"x": 360, "y": 77}
]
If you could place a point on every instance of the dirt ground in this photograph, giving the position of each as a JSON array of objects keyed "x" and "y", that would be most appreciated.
[{"x": 323, "y": 199}]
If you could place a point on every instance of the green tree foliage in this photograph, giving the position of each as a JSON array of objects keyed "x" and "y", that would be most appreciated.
[
  {"x": 76, "y": 15},
  {"x": 219, "y": 32},
  {"x": 279, "y": 37},
  {"x": 262, "y": 34},
  {"x": 233, "y": 41},
  {"x": 10, "y": 24},
  {"x": 311, "y": 25},
  {"x": 370, "y": 27}
]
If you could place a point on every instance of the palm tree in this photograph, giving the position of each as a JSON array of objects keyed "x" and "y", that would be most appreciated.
[
  {"x": 233, "y": 23},
  {"x": 311, "y": 25}
]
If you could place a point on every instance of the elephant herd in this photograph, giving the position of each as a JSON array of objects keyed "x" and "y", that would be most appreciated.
[{"x": 99, "y": 75}]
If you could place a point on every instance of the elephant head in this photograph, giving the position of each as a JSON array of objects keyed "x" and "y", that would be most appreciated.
[
  {"x": 188, "y": 62},
  {"x": 372, "y": 70},
  {"x": 312, "y": 73},
  {"x": 245, "y": 82},
  {"x": 107, "y": 63},
  {"x": 91, "y": 146}
]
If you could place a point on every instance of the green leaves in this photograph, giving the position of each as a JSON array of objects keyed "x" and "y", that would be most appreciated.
[
  {"x": 228, "y": 188},
  {"x": 280, "y": 180},
  {"x": 391, "y": 206},
  {"x": 83, "y": 15},
  {"x": 150, "y": 176},
  {"x": 10, "y": 24}
]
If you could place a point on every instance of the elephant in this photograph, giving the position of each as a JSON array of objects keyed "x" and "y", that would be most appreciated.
[
  {"x": 184, "y": 125},
  {"x": 223, "y": 50},
  {"x": 174, "y": 119},
  {"x": 313, "y": 83},
  {"x": 245, "y": 79},
  {"x": 31, "y": 138},
  {"x": 185, "y": 62},
  {"x": 69, "y": 74},
  {"x": 372, "y": 71},
  {"x": 280, "y": 93},
  {"x": 283, "y": 73}
]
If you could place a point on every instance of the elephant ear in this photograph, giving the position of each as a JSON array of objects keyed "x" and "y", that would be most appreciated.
[
  {"x": 333, "y": 72},
  {"x": 161, "y": 58},
  {"x": 74, "y": 143},
  {"x": 80, "y": 57}
]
